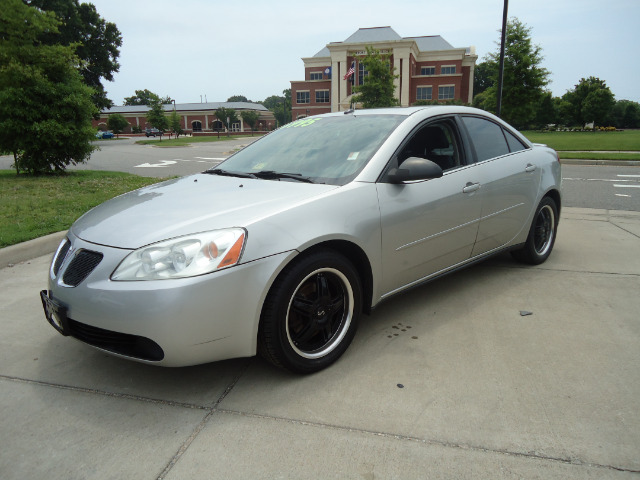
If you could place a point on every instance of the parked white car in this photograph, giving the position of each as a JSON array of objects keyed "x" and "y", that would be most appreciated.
[{"x": 283, "y": 246}]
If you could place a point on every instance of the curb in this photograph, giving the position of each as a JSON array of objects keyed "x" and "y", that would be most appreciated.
[
  {"x": 611, "y": 163},
  {"x": 31, "y": 249}
]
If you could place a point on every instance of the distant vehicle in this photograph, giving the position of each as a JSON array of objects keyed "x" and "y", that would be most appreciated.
[
  {"x": 152, "y": 132},
  {"x": 105, "y": 135}
]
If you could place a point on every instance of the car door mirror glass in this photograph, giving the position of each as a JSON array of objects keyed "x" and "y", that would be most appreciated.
[{"x": 414, "y": 168}]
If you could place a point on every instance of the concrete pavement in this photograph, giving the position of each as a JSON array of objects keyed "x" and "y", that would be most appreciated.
[{"x": 446, "y": 381}]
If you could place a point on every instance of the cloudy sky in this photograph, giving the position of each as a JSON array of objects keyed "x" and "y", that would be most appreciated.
[{"x": 192, "y": 48}]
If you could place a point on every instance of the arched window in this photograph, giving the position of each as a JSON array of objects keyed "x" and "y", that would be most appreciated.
[{"x": 196, "y": 126}]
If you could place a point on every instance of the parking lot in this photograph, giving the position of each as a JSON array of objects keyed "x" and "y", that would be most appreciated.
[{"x": 497, "y": 371}]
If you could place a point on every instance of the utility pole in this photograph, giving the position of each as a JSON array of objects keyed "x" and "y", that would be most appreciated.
[{"x": 501, "y": 67}]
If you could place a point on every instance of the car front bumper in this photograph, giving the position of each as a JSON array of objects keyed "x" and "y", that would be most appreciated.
[{"x": 192, "y": 320}]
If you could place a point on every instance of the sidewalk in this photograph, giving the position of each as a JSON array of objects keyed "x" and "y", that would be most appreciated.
[{"x": 445, "y": 381}]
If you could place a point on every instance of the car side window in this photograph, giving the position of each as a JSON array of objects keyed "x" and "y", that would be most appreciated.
[
  {"x": 487, "y": 138},
  {"x": 437, "y": 142},
  {"x": 515, "y": 145}
]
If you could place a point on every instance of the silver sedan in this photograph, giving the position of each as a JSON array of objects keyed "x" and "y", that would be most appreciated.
[{"x": 281, "y": 248}]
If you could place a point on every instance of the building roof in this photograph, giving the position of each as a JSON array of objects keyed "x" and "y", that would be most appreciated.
[
  {"x": 188, "y": 107},
  {"x": 431, "y": 43},
  {"x": 386, "y": 34},
  {"x": 375, "y": 34}
]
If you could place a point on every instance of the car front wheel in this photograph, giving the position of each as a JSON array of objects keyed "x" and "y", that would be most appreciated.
[
  {"x": 542, "y": 234},
  {"x": 311, "y": 313}
]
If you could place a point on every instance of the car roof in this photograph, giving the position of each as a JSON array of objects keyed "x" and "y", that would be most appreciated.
[{"x": 429, "y": 110}]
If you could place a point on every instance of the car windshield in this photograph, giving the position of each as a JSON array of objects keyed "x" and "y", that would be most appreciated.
[{"x": 329, "y": 150}]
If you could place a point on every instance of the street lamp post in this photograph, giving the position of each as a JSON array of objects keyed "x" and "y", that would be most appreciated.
[{"x": 501, "y": 67}]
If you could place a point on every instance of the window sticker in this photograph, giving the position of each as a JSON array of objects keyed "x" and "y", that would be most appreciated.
[
  {"x": 303, "y": 122},
  {"x": 353, "y": 156},
  {"x": 258, "y": 166}
]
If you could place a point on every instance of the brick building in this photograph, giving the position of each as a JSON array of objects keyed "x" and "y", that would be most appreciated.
[
  {"x": 195, "y": 117},
  {"x": 428, "y": 68}
]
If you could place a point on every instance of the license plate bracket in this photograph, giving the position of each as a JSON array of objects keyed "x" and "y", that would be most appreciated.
[{"x": 55, "y": 313}]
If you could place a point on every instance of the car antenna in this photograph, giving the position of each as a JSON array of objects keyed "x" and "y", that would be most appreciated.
[{"x": 351, "y": 109}]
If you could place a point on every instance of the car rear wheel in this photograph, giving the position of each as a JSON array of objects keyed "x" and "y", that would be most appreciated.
[
  {"x": 542, "y": 234},
  {"x": 311, "y": 313}
]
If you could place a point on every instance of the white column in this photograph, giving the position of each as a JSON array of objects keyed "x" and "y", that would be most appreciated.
[
  {"x": 471, "y": 73},
  {"x": 396, "y": 81},
  {"x": 335, "y": 85}
]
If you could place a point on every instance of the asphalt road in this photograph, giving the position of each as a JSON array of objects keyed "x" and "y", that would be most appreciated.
[
  {"x": 603, "y": 187},
  {"x": 124, "y": 155},
  {"x": 611, "y": 188}
]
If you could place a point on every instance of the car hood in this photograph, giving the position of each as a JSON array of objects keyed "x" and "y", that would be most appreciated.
[{"x": 188, "y": 205}]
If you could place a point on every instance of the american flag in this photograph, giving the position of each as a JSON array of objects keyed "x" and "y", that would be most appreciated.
[{"x": 351, "y": 70}]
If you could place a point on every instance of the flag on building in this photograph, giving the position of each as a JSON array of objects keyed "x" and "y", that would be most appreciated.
[
  {"x": 327, "y": 72},
  {"x": 351, "y": 70}
]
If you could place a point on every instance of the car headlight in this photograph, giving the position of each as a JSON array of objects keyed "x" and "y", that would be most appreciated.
[{"x": 182, "y": 257}]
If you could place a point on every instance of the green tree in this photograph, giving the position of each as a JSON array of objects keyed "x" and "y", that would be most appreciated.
[
  {"x": 590, "y": 101},
  {"x": 97, "y": 42},
  {"x": 483, "y": 77},
  {"x": 272, "y": 102},
  {"x": 377, "y": 89},
  {"x": 146, "y": 97},
  {"x": 175, "y": 123},
  {"x": 45, "y": 107},
  {"x": 562, "y": 109},
  {"x": 227, "y": 116},
  {"x": 546, "y": 110},
  {"x": 117, "y": 123},
  {"x": 282, "y": 111},
  {"x": 524, "y": 79},
  {"x": 625, "y": 114},
  {"x": 157, "y": 118},
  {"x": 250, "y": 117},
  {"x": 238, "y": 98}
]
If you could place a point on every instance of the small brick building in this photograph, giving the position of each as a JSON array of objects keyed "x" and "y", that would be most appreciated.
[
  {"x": 428, "y": 68},
  {"x": 195, "y": 117}
]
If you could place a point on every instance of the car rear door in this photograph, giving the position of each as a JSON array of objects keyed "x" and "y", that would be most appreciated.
[
  {"x": 509, "y": 181},
  {"x": 428, "y": 226}
]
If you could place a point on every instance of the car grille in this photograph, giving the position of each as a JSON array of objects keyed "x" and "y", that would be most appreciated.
[
  {"x": 121, "y": 343},
  {"x": 80, "y": 267}
]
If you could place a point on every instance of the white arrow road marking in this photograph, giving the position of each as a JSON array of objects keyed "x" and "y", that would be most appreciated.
[{"x": 163, "y": 163}]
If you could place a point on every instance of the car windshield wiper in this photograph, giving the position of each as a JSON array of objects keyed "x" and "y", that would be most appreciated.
[
  {"x": 227, "y": 173},
  {"x": 273, "y": 175}
]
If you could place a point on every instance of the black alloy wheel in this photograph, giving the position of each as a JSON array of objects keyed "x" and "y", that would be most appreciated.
[
  {"x": 311, "y": 313},
  {"x": 542, "y": 234}
]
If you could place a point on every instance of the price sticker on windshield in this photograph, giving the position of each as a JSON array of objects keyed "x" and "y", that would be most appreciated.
[{"x": 304, "y": 122}]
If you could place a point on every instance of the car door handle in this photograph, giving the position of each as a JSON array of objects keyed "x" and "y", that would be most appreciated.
[
  {"x": 470, "y": 187},
  {"x": 529, "y": 168}
]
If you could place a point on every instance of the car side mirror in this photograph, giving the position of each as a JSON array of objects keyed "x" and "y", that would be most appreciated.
[{"x": 414, "y": 168}]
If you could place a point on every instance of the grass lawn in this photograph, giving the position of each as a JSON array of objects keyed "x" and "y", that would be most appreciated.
[
  {"x": 626, "y": 140},
  {"x": 182, "y": 141},
  {"x": 31, "y": 207}
]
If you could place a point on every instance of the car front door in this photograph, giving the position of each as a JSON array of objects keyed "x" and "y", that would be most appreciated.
[{"x": 428, "y": 226}]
